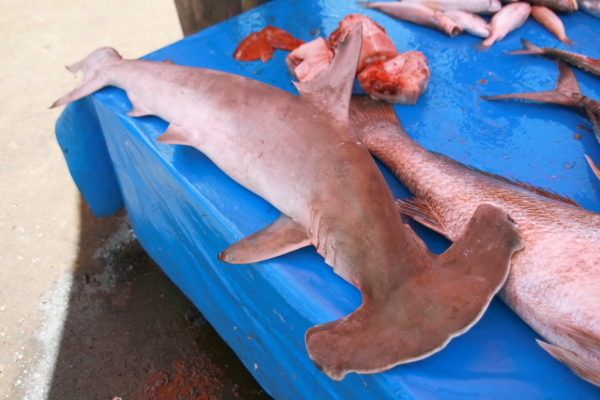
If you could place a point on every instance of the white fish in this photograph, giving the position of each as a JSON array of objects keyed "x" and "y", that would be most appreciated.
[
  {"x": 470, "y": 23},
  {"x": 417, "y": 14},
  {"x": 509, "y": 18}
]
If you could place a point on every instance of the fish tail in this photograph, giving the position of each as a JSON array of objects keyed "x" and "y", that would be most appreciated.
[
  {"x": 486, "y": 44},
  {"x": 93, "y": 79},
  {"x": 530, "y": 48},
  {"x": 407, "y": 317},
  {"x": 568, "y": 42},
  {"x": 585, "y": 367}
]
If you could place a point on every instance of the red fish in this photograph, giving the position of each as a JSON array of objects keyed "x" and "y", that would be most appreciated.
[{"x": 553, "y": 282}]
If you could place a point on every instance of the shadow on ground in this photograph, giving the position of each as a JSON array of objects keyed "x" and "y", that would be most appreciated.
[{"x": 131, "y": 333}]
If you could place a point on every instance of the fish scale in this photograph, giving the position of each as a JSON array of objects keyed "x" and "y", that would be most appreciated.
[{"x": 553, "y": 282}]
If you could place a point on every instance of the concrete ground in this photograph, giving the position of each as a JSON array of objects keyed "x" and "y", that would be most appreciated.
[{"x": 84, "y": 314}]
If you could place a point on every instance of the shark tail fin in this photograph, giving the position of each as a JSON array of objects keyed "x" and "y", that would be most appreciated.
[
  {"x": 93, "y": 80},
  {"x": 424, "y": 304}
]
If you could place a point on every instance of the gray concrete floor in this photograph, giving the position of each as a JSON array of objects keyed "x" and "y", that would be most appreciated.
[{"x": 84, "y": 314}]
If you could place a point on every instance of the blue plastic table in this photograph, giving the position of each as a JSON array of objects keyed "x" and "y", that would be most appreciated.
[{"x": 184, "y": 210}]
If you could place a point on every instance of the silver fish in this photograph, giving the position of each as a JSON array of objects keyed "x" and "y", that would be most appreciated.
[
  {"x": 586, "y": 63},
  {"x": 553, "y": 282},
  {"x": 591, "y": 7},
  {"x": 509, "y": 18},
  {"x": 567, "y": 93},
  {"x": 300, "y": 154},
  {"x": 417, "y": 14}
]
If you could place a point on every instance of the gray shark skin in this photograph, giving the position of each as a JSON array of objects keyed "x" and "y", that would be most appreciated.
[
  {"x": 300, "y": 154},
  {"x": 553, "y": 282}
]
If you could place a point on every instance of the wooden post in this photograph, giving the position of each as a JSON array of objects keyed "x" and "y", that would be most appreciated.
[{"x": 195, "y": 15}]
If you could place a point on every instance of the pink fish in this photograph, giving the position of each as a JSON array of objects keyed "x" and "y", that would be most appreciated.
[
  {"x": 509, "y": 18},
  {"x": 301, "y": 154},
  {"x": 552, "y": 22},
  {"x": 553, "y": 282}
]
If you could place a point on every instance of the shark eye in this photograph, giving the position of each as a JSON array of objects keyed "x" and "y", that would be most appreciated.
[{"x": 510, "y": 219}]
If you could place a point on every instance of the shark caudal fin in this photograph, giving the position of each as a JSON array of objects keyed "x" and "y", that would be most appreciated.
[
  {"x": 566, "y": 92},
  {"x": 93, "y": 79},
  {"x": 426, "y": 305}
]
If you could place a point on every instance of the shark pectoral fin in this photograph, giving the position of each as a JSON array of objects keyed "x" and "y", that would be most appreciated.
[
  {"x": 419, "y": 308},
  {"x": 175, "y": 134},
  {"x": 333, "y": 88},
  {"x": 281, "y": 237}
]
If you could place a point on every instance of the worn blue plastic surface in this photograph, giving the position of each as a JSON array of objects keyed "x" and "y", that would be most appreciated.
[{"x": 185, "y": 210}]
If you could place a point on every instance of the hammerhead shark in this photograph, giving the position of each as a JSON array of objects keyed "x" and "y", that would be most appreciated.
[{"x": 300, "y": 154}]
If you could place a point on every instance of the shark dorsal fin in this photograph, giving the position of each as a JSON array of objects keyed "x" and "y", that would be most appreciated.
[
  {"x": 333, "y": 88},
  {"x": 567, "y": 82}
]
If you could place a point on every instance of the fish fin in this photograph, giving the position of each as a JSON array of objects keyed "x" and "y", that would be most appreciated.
[
  {"x": 567, "y": 82},
  {"x": 566, "y": 93},
  {"x": 93, "y": 79},
  {"x": 550, "y": 96},
  {"x": 530, "y": 48},
  {"x": 593, "y": 166},
  {"x": 587, "y": 368},
  {"x": 170, "y": 62},
  {"x": 175, "y": 134},
  {"x": 281, "y": 237},
  {"x": 332, "y": 89},
  {"x": 139, "y": 109},
  {"x": 413, "y": 315},
  {"x": 594, "y": 116},
  {"x": 364, "y": 110},
  {"x": 549, "y": 194},
  {"x": 422, "y": 212}
]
